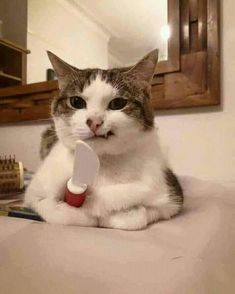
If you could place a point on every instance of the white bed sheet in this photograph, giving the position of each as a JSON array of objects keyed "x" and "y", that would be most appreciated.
[{"x": 192, "y": 253}]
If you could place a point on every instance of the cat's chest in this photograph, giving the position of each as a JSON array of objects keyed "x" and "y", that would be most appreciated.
[
  {"x": 113, "y": 169},
  {"x": 119, "y": 170}
]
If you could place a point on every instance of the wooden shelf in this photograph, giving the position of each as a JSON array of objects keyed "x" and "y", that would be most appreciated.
[
  {"x": 11, "y": 77},
  {"x": 13, "y": 46},
  {"x": 28, "y": 102},
  {"x": 12, "y": 64},
  {"x": 7, "y": 80}
]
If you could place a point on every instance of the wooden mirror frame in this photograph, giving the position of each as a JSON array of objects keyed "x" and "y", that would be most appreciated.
[
  {"x": 196, "y": 82},
  {"x": 189, "y": 78}
]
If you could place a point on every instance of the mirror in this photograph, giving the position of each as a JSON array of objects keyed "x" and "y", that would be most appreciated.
[
  {"x": 136, "y": 28},
  {"x": 80, "y": 32},
  {"x": 87, "y": 33}
]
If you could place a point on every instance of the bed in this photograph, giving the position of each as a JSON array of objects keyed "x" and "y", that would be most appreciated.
[{"x": 192, "y": 253}]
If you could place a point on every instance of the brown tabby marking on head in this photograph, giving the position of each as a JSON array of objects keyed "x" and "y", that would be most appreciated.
[
  {"x": 59, "y": 107},
  {"x": 137, "y": 93},
  {"x": 132, "y": 83}
]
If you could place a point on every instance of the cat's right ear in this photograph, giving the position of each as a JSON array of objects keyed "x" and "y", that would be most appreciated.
[
  {"x": 62, "y": 69},
  {"x": 144, "y": 70}
]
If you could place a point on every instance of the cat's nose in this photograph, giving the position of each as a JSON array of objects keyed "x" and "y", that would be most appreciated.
[{"x": 94, "y": 124}]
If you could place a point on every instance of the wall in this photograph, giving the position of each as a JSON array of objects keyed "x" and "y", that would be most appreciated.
[
  {"x": 60, "y": 27},
  {"x": 13, "y": 13},
  {"x": 22, "y": 140},
  {"x": 200, "y": 143}
]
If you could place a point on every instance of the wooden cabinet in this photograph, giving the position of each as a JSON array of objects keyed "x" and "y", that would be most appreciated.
[{"x": 12, "y": 64}]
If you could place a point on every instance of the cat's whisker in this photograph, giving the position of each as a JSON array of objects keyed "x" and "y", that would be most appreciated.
[
  {"x": 49, "y": 120},
  {"x": 79, "y": 133},
  {"x": 66, "y": 129}
]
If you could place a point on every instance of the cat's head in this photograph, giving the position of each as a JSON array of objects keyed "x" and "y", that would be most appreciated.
[{"x": 108, "y": 109}]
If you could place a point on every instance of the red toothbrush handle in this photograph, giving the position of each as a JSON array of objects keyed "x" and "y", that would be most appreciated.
[{"x": 75, "y": 200}]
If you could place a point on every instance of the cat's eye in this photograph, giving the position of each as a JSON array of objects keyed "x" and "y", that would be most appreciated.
[
  {"x": 117, "y": 103},
  {"x": 77, "y": 102}
]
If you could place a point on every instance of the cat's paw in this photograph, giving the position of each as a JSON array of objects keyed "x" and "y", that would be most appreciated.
[
  {"x": 63, "y": 214},
  {"x": 96, "y": 202},
  {"x": 98, "y": 208},
  {"x": 131, "y": 220},
  {"x": 104, "y": 202}
]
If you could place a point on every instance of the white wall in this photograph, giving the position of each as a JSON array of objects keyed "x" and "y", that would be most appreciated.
[
  {"x": 201, "y": 143},
  {"x": 60, "y": 27},
  {"x": 22, "y": 140}
]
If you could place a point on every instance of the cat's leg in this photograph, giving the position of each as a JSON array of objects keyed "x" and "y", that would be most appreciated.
[
  {"x": 47, "y": 201},
  {"x": 46, "y": 191},
  {"x": 162, "y": 208},
  {"x": 136, "y": 218},
  {"x": 168, "y": 201},
  {"x": 153, "y": 215},
  {"x": 133, "y": 219},
  {"x": 59, "y": 212},
  {"x": 120, "y": 197},
  {"x": 169, "y": 209}
]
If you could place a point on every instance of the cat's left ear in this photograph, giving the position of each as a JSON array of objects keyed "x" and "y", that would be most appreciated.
[
  {"x": 144, "y": 70},
  {"x": 62, "y": 69}
]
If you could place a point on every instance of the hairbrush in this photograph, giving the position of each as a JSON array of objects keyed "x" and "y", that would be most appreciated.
[{"x": 11, "y": 175}]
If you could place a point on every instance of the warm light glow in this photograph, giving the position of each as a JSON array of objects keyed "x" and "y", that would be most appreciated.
[{"x": 165, "y": 32}]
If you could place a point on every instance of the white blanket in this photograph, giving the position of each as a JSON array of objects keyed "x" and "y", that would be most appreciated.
[{"x": 191, "y": 253}]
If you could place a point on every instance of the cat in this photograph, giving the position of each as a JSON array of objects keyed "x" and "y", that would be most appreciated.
[{"x": 111, "y": 111}]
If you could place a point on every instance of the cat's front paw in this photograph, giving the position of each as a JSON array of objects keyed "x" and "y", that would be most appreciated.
[
  {"x": 99, "y": 202},
  {"x": 95, "y": 204},
  {"x": 98, "y": 208},
  {"x": 105, "y": 201},
  {"x": 61, "y": 213}
]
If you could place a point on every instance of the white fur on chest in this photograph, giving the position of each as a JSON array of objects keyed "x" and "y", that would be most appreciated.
[
  {"x": 123, "y": 168},
  {"x": 136, "y": 165},
  {"x": 132, "y": 166}
]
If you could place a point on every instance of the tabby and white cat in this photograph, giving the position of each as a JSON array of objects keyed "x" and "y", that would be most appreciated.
[{"x": 111, "y": 111}]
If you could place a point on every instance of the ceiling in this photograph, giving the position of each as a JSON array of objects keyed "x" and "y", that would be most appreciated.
[{"x": 132, "y": 25}]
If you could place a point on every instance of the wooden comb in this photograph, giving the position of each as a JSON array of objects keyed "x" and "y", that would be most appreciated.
[{"x": 11, "y": 175}]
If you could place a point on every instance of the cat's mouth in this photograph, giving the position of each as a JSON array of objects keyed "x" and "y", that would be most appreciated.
[{"x": 104, "y": 136}]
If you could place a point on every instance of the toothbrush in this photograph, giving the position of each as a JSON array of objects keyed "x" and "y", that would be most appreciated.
[{"x": 85, "y": 169}]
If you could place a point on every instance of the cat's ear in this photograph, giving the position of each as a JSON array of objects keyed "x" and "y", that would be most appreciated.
[
  {"x": 62, "y": 69},
  {"x": 145, "y": 68}
]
